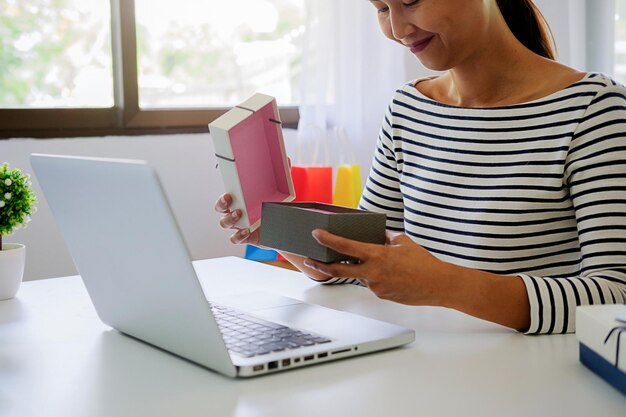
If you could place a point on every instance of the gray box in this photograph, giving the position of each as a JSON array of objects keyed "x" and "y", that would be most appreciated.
[{"x": 288, "y": 227}]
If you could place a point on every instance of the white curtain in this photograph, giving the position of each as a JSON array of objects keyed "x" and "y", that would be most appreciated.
[
  {"x": 350, "y": 71},
  {"x": 584, "y": 31}
]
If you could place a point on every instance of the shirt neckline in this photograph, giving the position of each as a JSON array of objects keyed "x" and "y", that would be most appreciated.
[{"x": 413, "y": 85}]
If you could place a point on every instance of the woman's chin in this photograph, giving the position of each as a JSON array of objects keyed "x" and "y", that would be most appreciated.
[{"x": 433, "y": 65}]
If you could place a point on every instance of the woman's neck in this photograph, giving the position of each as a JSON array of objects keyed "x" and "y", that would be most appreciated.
[
  {"x": 504, "y": 72},
  {"x": 527, "y": 82},
  {"x": 496, "y": 75}
]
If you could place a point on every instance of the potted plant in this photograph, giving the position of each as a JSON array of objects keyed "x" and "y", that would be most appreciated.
[{"x": 17, "y": 204}]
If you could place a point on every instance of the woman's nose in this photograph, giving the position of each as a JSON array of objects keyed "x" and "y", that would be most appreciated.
[{"x": 401, "y": 26}]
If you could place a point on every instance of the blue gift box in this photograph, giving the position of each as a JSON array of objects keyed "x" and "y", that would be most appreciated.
[{"x": 602, "y": 340}]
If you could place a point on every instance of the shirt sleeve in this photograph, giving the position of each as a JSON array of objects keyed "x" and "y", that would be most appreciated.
[
  {"x": 595, "y": 173},
  {"x": 382, "y": 190}
]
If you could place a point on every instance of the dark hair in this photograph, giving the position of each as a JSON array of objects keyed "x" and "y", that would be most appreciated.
[{"x": 529, "y": 26}]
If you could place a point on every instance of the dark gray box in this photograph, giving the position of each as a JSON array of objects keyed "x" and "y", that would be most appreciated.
[{"x": 288, "y": 227}]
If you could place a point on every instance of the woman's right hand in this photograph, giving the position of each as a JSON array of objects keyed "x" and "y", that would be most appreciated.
[{"x": 230, "y": 217}]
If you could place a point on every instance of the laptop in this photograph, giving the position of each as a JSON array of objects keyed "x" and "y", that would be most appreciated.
[{"x": 134, "y": 263}]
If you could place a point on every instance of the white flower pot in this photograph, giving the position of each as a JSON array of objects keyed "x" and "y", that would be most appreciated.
[{"x": 12, "y": 257}]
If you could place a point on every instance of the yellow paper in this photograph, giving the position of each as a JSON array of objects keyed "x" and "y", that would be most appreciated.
[{"x": 348, "y": 186}]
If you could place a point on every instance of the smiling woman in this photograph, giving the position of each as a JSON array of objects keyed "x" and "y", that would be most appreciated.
[{"x": 501, "y": 177}]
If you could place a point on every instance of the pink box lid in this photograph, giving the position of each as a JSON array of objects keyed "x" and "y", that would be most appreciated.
[{"x": 253, "y": 162}]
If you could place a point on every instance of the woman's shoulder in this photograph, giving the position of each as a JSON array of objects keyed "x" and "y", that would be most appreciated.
[
  {"x": 598, "y": 89},
  {"x": 421, "y": 86},
  {"x": 601, "y": 82},
  {"x": 602, "y": 79},
  {"x": 410, "y": 92},
  {"x": 581, "y": 85}
]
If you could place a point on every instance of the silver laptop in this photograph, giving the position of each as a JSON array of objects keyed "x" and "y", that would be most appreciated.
[{"x": 134, "y": 263}]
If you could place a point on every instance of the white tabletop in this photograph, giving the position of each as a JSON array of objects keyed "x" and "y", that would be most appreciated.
[{"x": 58, "y": 359}]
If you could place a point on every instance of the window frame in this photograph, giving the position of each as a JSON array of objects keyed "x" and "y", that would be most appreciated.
[{"x": 125, "y": 117}]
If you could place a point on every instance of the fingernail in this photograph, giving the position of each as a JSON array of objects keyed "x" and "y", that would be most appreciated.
[{"x": 234, "y": 214}]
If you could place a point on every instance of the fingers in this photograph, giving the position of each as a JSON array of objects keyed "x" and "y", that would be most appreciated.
[
  {"x": 228, "y": 221},
  {"x": 230, "y": 218},
  {"x": 368, "y": 254},
  {"x": 348, "y": 247},
  {"x": 390, "y": 237},
  {"x": 223, "y": 203},
  {"x": 240, "y": 236},
  {"x": 397, "y": 238},
  {"x": 337, "y": 269},
  {"x": 340, "y": 244}
]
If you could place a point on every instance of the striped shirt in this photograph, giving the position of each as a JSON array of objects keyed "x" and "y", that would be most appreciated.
[{"x": 536, "y": 190}]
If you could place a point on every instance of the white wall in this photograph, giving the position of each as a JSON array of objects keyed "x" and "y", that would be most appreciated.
[
  {"x": 185, "y": 164},
  {"x": 567, "y": 22},
  {"x": 187, "y": 168}
]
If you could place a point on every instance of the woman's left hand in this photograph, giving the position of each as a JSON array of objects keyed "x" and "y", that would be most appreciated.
[{"x": 400, "y": 270}]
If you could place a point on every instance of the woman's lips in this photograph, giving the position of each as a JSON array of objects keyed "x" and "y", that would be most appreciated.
[{"x": 421, "y": 45}]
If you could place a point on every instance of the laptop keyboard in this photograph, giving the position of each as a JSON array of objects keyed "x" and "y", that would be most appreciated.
[{"x": 250, "y": 336}]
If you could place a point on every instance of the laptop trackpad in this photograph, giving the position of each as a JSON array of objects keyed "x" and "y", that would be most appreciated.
[
  {"x": 295, "y": 313},
  {"x": 254, "y": 301}
]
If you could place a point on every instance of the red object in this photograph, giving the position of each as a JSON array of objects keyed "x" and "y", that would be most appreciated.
[{"x": 313, "y": 183}]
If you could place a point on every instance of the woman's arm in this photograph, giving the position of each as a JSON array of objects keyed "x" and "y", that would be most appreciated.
[
  {"x": 595, "y": 175},
  {"x": 404, "y": 272}
]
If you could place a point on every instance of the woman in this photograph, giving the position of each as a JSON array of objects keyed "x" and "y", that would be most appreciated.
[{"x": 503, "y": 179}]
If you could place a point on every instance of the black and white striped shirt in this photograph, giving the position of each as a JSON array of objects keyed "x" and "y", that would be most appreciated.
[{"x": 536, "y": 190}]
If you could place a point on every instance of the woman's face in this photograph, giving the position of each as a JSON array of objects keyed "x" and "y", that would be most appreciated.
[{"x": 440, "y": 33}]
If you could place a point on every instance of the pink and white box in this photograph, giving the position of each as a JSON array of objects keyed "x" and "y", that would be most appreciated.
[{"x": 249, "y": 145}]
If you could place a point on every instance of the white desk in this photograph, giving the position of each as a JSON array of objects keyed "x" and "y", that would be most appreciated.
[{"x": 58, "y": 359}]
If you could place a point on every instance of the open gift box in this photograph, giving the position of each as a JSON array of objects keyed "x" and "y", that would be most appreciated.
[
  {"x": 601, "y": 331},
  {"x": 248, "y": 142},
  {"x": 288, "y": 227}
]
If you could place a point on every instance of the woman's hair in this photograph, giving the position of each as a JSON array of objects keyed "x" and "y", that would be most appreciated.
[{"x": 529, "y": 26}]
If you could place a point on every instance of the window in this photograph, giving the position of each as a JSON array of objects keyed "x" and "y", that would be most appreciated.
[
  {"x": 195, "y": 56},
  {"x": 55, "y": 56},
  {"x": 92, "y": 67}
]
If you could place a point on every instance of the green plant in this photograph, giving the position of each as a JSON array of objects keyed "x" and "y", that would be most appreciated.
[{"x": 17, "y": 200}]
